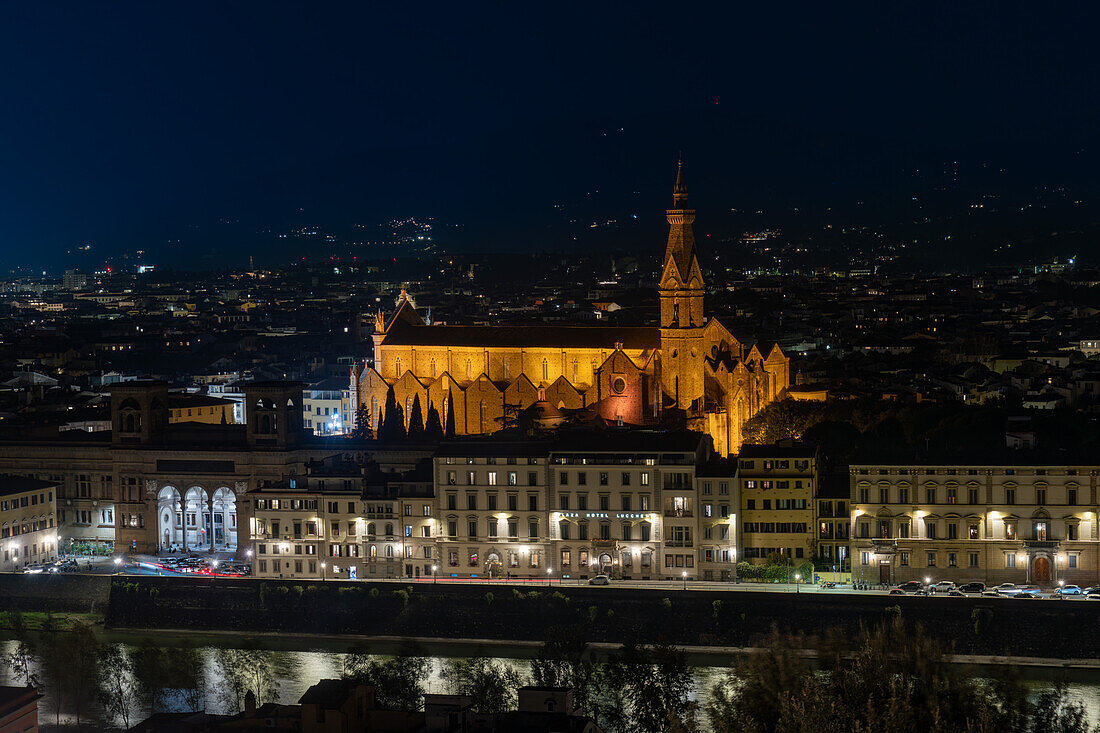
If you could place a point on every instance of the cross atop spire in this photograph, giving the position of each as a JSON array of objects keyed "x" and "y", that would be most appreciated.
[{"x": 679, "y": 191}]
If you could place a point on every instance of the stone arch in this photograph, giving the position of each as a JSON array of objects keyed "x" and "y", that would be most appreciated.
[
  {"x": 169, "y": 519},
  {"x": 197, "y": 520},
  {"x": 224, "y": 519}
]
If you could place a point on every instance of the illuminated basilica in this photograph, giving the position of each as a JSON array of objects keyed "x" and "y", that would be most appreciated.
[{"x": 687, "y": 367}]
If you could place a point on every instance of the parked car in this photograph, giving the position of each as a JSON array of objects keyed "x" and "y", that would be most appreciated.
[
  {"x": 1093, "y": 597},
  {"x": 911, "y": 585},
  {"x": 973, "y": 587},
  {"x": 943, "y": 586},
  {"x": 1068, "y": 590},
  {"x": 1006, "y": 589},
  {"x": 600, "y": 580}
]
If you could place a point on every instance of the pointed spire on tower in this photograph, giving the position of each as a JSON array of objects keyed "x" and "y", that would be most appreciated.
[
  {"x": 681, "y": 238},
  {"x": 680, "y": 191}
]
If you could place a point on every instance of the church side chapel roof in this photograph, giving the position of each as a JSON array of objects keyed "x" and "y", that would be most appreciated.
[{"x": 555, "y": 337}]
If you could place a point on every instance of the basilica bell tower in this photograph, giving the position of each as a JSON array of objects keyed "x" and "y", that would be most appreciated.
[{"x": 680, "y": 291}]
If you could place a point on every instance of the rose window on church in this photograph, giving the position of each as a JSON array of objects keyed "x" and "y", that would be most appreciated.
[{"x": 618, "y": 385}]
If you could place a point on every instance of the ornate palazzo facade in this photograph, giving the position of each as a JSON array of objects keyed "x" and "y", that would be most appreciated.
[{"x": 687, "y": 365}]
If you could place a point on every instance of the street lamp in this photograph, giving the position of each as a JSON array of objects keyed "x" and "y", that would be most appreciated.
[
  {"x": 684, "y": 575},
  {"x": 1061, "y": 589},
  {"x": 322, "y": 571},
  {"x": 118, "y": 565},
  {"x": 549, "y": 572},
  {"x": 797, "y": 578},
  {"x": 434, "y": 569},
  {"x": 248, "y": 553}
]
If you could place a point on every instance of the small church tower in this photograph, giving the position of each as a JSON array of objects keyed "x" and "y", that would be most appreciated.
[{"x": 680, "y": 291}]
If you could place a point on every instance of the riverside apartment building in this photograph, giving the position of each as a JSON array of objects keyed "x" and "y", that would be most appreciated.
[{"x": 1032, "y": 524}]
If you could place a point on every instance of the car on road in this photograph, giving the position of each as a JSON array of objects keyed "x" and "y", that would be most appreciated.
[
  {"x": 1068, "y": 590},
  {"x": 973, "y": 587},
  {"x": 943, "y": 586},
  {"x": 1026, "y": 591},
  {"x": 600, "y": 580},
  {"x": 1093, "y": 597},
  {"x": 1006, "y": 589},
  {"x": 955, "y": 593},
  {"x": 33, "y": 569},
  {"x": 898, "y": 591},
  {"x": 911, "y": 586}
]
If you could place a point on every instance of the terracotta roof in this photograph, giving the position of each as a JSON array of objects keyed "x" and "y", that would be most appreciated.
[{"x": 590, "y": 337}]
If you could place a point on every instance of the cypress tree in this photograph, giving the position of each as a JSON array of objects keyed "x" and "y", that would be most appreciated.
[
  {"x": 433, "y": 427},
  {"x": 416, "y": 421},
  {"x": 450, "y": 431},
  {"x": 362, "y": 427},
  {"x": 393, "y": 420}
]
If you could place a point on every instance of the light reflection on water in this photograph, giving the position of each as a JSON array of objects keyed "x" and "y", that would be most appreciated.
[{"x": 296, "y": 670}]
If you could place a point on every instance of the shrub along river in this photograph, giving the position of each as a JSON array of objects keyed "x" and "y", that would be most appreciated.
[{"x": 296, "y": 662}]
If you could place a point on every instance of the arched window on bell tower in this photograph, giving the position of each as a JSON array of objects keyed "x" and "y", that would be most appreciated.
[{"x": 545, "y": 370}]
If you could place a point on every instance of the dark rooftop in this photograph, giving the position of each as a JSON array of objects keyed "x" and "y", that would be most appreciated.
[
  {"x": 177, "y": 401},
  {"x": 564, "y": 337},
  {"x": 487, "y": 447},
  {"x": 834, "y": 486},
  {"x": 19, "y": 484},
  {"x": 627, "y": 440},
  {"x": 778, "y": 450},
  {"x": 329, "y": 694}
]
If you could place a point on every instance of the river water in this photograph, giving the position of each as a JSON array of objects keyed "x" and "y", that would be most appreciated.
[{"x": 296, "y": 667}]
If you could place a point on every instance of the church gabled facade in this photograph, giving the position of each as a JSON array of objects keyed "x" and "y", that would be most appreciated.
[{"x": 688, "y": 364}]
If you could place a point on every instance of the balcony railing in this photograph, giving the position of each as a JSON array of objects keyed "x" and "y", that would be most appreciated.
[
  {"x": 679, "y": 513},
  {"x": 679, "y": 543}
]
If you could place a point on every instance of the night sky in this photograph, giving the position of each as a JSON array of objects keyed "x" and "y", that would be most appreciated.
[{"x": 146, "y": 124}]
